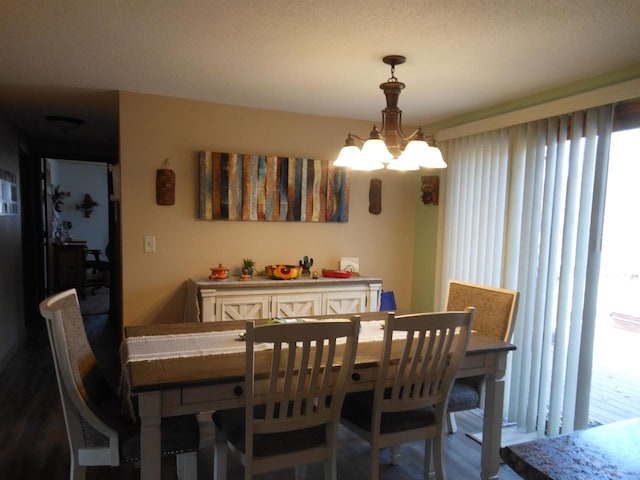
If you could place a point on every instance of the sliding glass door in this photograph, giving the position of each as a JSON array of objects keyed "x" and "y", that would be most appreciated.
[{"x": 615, "y": 383}]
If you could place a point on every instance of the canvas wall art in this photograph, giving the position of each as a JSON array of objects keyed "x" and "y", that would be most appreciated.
[{"x": 246, "y": 187}]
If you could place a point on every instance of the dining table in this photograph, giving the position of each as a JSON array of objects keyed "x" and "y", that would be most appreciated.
[{"x": 201, "y": 375}]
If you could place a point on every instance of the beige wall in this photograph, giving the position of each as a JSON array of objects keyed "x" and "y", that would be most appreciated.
[{"x": 154, "y": 128}]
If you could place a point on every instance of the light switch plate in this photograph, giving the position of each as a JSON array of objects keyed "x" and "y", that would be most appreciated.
[{"x": 149, "y": 244}]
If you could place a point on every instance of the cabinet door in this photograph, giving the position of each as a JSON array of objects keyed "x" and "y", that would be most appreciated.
[
  {"x": 296, "y": 304},
  {"x": 242, "y": 307},
  {"x": 69, "y": 268},
  {"x": 350, "y": 301}
]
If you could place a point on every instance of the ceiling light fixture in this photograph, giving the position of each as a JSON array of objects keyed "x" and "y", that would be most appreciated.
[
  {"x": 389, "y": 146},
  {"x": 66, "y": 124}
]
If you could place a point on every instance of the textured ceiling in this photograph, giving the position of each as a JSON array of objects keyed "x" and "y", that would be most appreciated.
[{"x": 314, "y": 57}]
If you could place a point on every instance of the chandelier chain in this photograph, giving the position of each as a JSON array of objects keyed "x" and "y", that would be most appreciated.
[{"x": 393, "y": 74}]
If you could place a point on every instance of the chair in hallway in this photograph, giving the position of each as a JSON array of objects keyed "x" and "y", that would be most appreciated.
[
  {"x": 495, "y": 312},
  {"x": 409, "y": 402},
  {"x": 97, "y": 433},
  {"x": 99, "y": 270},
  {"x": 293, "y": 395}
]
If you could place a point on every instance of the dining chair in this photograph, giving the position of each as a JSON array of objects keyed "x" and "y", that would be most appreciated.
[
  {"x": 409, "y": 402},
  {"x": 496, "y": 309},
  {"x": 98, "y": 434},
  {"x": 293, "y": 395}
]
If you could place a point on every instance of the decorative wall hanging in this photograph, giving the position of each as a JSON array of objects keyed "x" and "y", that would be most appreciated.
[
  {"x": 267, "y": 188},
  {"x": 430, "y": 190},
  {"x": 87, "y": 205},
  {"x": 165, "y": 185},
  {"x": 375, "y": 196},
  {"x": 8, "y": 193}
]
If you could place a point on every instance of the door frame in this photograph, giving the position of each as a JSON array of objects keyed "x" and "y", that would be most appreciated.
[{"x": 35, "y": 243}]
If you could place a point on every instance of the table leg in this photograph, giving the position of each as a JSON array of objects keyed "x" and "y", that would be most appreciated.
[
  {"x": 150, "y": 418},
  {"x": 492, "y": 428}
]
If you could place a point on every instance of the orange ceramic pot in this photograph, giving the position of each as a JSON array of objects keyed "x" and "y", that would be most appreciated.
[{"x": 219, "y": 273}]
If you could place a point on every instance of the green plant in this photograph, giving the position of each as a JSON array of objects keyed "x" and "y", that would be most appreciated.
[
  {"x": 58, "y": 198},
  {"x": 248, "y": 263},
  {"x": 248, "y": 266}
]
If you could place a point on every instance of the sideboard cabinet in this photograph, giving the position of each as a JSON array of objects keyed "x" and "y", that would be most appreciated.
[{"x": 264, "y": 298}]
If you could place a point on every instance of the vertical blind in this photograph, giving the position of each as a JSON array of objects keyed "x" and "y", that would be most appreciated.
[{"x": 522, "y": 209}]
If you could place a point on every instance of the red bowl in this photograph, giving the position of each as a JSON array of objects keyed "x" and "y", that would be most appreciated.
[{"x": 336, "y": 273}]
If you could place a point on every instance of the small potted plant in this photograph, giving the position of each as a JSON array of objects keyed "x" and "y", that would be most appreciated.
[{"x": 247, "y": 268}]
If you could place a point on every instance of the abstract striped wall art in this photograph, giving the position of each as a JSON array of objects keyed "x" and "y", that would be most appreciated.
[{"x": 236, "y": 186}]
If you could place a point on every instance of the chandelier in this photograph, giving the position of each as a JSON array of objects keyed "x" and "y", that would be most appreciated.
[{"x": 389, "y": 146}]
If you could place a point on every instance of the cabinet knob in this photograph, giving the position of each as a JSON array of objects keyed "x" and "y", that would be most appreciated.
[
  {"x": 238, "y": 391},
  {"x": 355, "y": 376}
]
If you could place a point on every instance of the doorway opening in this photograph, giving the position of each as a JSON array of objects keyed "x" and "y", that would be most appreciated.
[
  {"x": 77, "y": 231},
  {"x": 615, "y": 383}
]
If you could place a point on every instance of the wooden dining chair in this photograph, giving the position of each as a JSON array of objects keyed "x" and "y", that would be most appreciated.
[
  {"x": 97, "y": 433},
  {"x": 293, "y": 395},
  {"x": 495, "y": 313},
  {"x": 409, "y": 402}
]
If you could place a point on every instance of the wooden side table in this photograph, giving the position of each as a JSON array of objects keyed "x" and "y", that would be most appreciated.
[{"x": 69, "y": 267}]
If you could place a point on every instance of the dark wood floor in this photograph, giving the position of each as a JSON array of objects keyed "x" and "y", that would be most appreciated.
[{"x": 33, "y": 442}]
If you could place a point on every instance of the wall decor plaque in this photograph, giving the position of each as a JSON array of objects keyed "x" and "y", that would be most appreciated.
[
  {"x": 8, "y": 193},
  {"x": 236, "y": 186}
]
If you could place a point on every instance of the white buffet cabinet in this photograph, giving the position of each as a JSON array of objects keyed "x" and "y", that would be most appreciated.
[{"x": 260, "y": 297}]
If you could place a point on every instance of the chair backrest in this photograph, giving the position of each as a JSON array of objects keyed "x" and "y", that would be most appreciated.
[
  {"x": 430, "y": 347},
  {"x": 495, "y": 307},
  {"x": 307, "y": 376},
  {"x": 80, "y": 382}
]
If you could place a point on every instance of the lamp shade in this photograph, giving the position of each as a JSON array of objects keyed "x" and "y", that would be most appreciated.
[
  {"x": 403, "y": 163},
  {"x": 433, "y": 159},
  {"x": 416, "y": 151},
  {"x": 348, "y": 157},
  {"x": 373, "y": 155}
]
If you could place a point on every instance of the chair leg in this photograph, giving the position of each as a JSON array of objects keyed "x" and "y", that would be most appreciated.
[
  {"x": 187, "y": 466},
  {"x": 438, "y": 457},
  {"x": 395, "y": 453},
  {"x": 220, "y": 456},
  {"x": 77, "y": 472},
  {"x": 375, "y": 462},
  {"x": 330, "y": 468},
  {"x": 428, "y": 459},
  {"x": 301, "y": 472},
  {"x": 452, "y": 427}
]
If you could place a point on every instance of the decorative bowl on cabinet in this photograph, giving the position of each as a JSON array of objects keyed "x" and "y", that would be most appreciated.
[{"x": 283, "y": 272}]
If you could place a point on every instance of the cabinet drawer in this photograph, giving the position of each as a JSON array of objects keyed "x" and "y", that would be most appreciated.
[
  {"x": 362, "y": 379},
  {"x": 229, "y": 395}
]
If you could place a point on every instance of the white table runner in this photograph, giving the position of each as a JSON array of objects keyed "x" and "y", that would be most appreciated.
[{"x": 159, "y": 347}]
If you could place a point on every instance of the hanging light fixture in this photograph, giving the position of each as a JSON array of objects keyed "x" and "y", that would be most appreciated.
[{"x": 389, "y": 146}]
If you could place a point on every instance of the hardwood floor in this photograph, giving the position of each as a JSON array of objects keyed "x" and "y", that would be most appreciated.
[{"x": 33, "y": 442}]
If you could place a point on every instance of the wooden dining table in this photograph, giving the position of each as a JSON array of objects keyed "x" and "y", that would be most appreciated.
[{"x": 183, "y": 385}]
